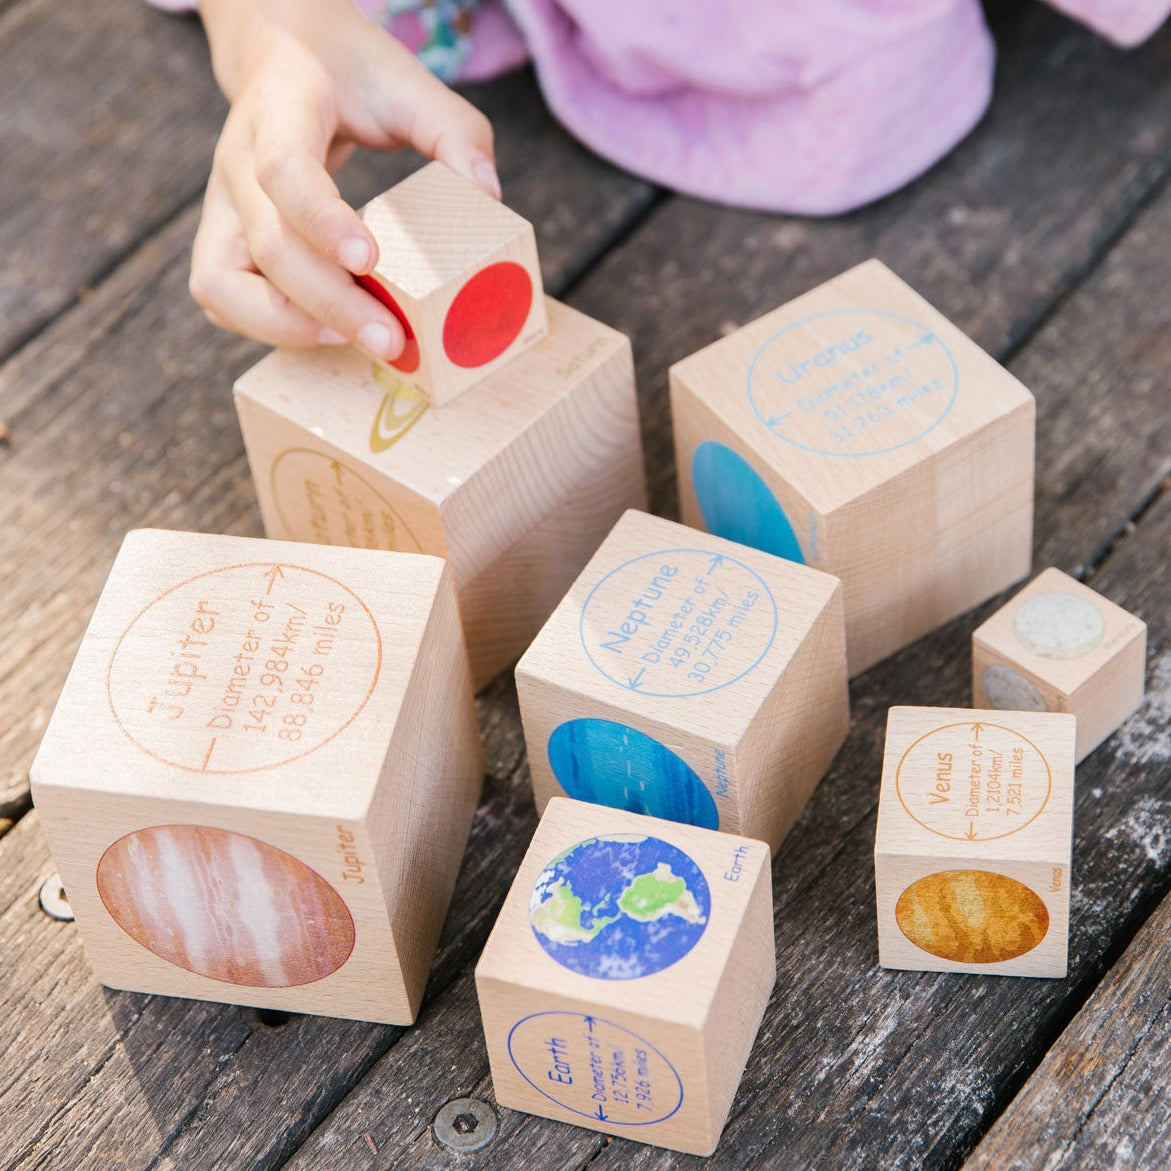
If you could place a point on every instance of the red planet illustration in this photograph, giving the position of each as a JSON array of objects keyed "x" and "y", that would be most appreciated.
[{"x": 487, "y": 314}]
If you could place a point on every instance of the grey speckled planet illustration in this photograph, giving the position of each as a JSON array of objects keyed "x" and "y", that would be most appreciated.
[
  {"x": 1010, "y": 691},
  {"x": 620, "y": 907},
  {"x": 1059, "y": 626}
]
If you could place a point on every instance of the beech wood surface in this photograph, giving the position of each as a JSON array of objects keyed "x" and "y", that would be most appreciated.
[{"x": 1043, "y": 236}]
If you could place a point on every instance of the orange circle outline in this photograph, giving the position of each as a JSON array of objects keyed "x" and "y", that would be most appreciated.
[
  {"x": 263, "y": 767},
  {"x": 972, "y": 724},
  {"x": 276, "y": 497},
  {"x": 260, "y": 841}
]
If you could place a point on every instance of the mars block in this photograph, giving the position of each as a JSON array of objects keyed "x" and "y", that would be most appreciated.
[
  {"x": 515, "y": 483},
  {"x": 460, "y": 272},
  {"x": 972, "y": 851},
  {"x": 856, "y": 430},
  {"x": 623, "y": 984},
  {"x": 687, "y": 677},
  {"x": 260, "y": 776},
  {"x": 1060, "y": 647}
]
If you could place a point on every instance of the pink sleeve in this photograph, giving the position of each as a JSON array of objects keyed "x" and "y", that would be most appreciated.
[{"x": 1125, "y": 22}]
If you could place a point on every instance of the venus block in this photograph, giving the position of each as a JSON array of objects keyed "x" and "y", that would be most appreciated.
[
  {"x": 972, "y": 852},
  {"x": 687, "y": 677},
  {"x": 260, "y": 776},
  {"x": 856, "y": 430},
  {"x": 623, "y": 984},
  {"x": 460, "y": 272},
  {"x": 515, "y": 483},
  {"x": 1060, "y": 647}
]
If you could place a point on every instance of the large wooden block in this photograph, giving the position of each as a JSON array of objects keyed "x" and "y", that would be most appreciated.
[
  {"x": 855, "y": 429},
  {"x": 259, "y": 780},
  {"x": 972, "y": 851},
  {"x": 1060, "y": 647},
  {"x": 460, "y": 272},
  {"x": 626, "y": 977},
  {"x": 515, "y": 483},
  {"x": 687, "y": 677}
]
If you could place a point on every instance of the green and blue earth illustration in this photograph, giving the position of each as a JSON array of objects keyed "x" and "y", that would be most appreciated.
[{"x": 620, "y": 907}]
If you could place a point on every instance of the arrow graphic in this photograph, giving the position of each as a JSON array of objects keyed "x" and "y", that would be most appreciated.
[
  {"x": 337, "y": 471},
  {"x": 971, "y": 834},
  {"x": 601, "y": 1116},
  {"x": 717, "y": 561},
  {"x": 635, "y": 680},
  {"x": 977, "y": 728},
  {"x": 272, "y": 576},
  {"x": 589, "y": 1020}
]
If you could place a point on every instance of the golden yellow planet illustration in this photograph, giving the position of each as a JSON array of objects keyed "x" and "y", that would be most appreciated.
[{"x": 972, "y": 916}]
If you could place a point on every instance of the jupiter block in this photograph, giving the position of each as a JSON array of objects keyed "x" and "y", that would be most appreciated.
[
  {"x": 260, "y": 776},
  {"x": 972, "y": 852},
  {"x": 856, "y": 430},
  {"x": 625, "y": 979},
  {"x": 459, "y": 270},
  {"x": 1060, "y": 647},
  {"x": 515, "y": 483},
  {"x": 687, "y": 677}
]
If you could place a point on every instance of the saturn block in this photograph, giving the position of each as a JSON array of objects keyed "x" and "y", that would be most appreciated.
[
  {"x": 623, "y": 984},
  {"x": 1060, "y": 647},
  {"x": 515, "y": 483},
  {"x": 259, "y": 779},
  {"x": 460, "y": 272},
  {"x": 972, "y": 851},
  {"x": 856, "y": 430},
  {"x": 689, "y": 678}
]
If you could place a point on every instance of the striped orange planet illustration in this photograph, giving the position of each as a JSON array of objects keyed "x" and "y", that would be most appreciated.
[
  {"x": 972, "y": 916},
  {"x": 225, "y": 905}
]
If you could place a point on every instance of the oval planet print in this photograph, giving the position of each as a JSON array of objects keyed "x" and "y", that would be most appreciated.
[
  {"x": 972, "y": 916},
  {"x": 225, "y": 905}
]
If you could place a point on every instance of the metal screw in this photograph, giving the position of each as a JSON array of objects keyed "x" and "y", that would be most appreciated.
[
  {"x": 53, "y": 900},
  {"x": 465, "y": 1124}
]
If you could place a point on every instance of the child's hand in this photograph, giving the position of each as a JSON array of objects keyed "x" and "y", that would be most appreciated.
[{"x": 307, "y": 79}]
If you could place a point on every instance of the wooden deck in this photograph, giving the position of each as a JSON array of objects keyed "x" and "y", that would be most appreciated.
[{"x": 1046, "y": 236}]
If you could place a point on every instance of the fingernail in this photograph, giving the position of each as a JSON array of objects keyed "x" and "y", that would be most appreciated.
[
  {"x": 331, "y": 337},
  {"x": 376, "y": 338},
  {"x": 486, "y": 176},
  {"x": 355, "y": 254}
]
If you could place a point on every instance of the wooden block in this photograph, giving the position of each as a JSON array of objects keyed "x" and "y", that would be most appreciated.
[
  {"x": 855, "y": 429},
  {"x": 515, "y": 483},
  {"x": 1060, "y": 647},
  {"x": 624, "y": 982},
  {"x": 460, "y": 272},
  {"x": 972, "y": 851},
  {"x": 259, "y": 780},
  {"x": 687, "y": 677}
]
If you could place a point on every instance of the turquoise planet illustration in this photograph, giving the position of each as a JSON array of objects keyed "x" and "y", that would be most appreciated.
[
  {"x": 608, "y": 763},
  {"x": 737, "y": 504},
  {"x": 620, "y": 907}
]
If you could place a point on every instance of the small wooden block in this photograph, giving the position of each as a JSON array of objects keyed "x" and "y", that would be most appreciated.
[
  {"x": 689, "y": 678},
  {"x": 260, "y": 776},
  {"x": 460, "y": 272},
  {"x": 515, "y": 483},
  {"x": 972, "y": 852},
  {"x": 855, "y": 429},
  {"x": 1060, "y": 647},
  {"x": 624, "y": 982}
]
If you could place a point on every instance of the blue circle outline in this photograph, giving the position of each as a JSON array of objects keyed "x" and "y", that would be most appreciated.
[
  {"x": 672, "y": 694},
  {"x": 610, "y": 1024},
  {"x": 955, "y": 386}
]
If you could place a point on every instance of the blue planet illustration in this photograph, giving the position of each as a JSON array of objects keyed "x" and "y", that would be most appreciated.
[
  {"x": 620, "y": 907},
  {"x": 737, "y": 504},
  {"x": 608, "y": 763}
]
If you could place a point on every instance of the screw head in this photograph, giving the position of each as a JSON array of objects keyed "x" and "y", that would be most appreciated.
[
  {"x": 53, "y": 900},
  {"x": 465, "y": 1124}
]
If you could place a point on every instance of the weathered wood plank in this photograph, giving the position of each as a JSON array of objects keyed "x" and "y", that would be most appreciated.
[{"x": 853, "y": 1060}]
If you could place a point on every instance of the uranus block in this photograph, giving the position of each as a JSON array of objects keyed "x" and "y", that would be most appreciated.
[
  {"x": 623, "y": 984},
  {"x": 972, "y": 851},
  {"x": 460, "y": 272},
  {"x": 856, "y": 430},
  {"x": 260, "y": 776},
  {"x": 515, "y": 483},
  {"x": 686, "y": 677},
  {"x": 1059, "y": 646}
]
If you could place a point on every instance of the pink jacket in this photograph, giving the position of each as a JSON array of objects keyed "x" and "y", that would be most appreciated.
[{"x": 807, "y": 106}]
